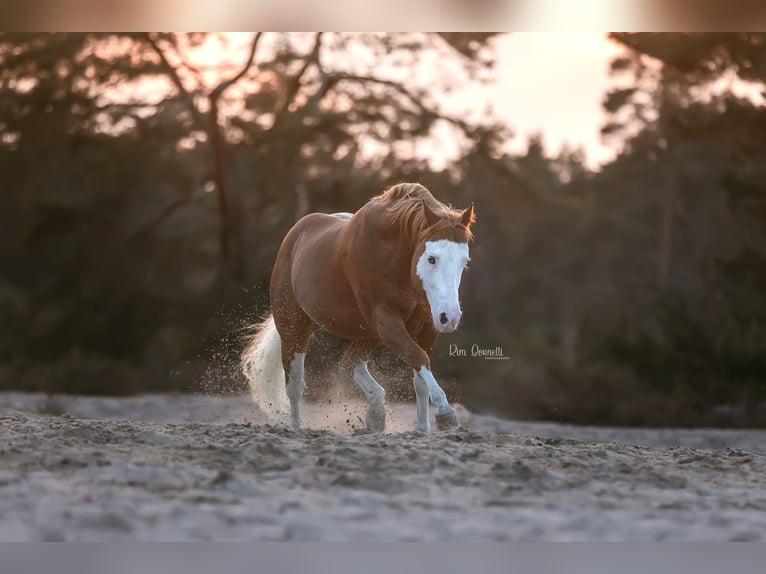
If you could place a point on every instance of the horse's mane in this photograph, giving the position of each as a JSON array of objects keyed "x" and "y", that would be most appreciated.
[{"x": 405, "y": 209}]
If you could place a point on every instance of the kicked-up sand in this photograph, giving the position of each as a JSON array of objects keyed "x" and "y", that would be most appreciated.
[{"x": 183, "y": 467}]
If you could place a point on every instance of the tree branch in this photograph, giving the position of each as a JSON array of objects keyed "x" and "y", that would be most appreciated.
[
  {"x": 295, "y": 82},
  {"x": 158, "y": 219},
  {"x": 414, "y": 99},
  {"x": 175, "y": 78},
  {"x": 225, "y": 85},
  {"x": 326, "y": 82}
]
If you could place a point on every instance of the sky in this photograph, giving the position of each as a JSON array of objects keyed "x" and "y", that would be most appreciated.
[
  {"x": 554, "y": 87},
  {"x": 548, "y": 83}
]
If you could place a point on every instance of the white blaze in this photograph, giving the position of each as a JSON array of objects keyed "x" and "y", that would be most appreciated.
[{"x": 440, "y": 269}]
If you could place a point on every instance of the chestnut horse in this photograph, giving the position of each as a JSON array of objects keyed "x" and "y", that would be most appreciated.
[{"x": 388, "y": 274}]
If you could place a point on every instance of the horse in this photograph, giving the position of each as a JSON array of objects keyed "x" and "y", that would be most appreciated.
[{"x": 388, "y": 275}]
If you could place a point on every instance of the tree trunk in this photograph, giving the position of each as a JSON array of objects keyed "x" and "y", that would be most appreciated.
[
  {"x": 240, "y": 225},
  {"x": 222, "y": 193},
  {"x": 569, "y": 330},
  {"x": 666, "y": 237}
]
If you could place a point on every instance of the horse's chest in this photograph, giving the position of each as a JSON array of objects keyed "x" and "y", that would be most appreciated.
[{"x": 419, "y": 319}]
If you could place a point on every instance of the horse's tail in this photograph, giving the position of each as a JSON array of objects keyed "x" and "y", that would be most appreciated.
[{"x": 262, "y": 366}]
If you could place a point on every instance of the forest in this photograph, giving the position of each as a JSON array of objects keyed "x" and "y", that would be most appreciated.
[{"x": 145, "y": 192}]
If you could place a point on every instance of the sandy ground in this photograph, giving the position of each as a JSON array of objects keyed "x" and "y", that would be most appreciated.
[{"x": 207, "y": 468}]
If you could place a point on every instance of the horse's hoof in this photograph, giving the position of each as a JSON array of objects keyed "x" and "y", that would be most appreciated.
[{"x": 447, "y": 421}]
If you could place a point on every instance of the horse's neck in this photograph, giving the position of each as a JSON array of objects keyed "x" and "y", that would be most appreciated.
[{"x": 386, "y": 244}]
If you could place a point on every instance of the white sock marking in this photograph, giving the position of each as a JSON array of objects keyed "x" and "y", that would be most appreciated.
[
  {"x": 376, "y": 414},
  {"x": 372, "y": 390},
  {"x": 435, "y": 392},
  {"x": 422, "y": 422},
  {"x": 295, "y": 385}
]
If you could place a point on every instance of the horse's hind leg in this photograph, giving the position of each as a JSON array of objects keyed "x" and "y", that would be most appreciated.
[
  {"x": 295, "y": 329},
  {"x": 356, "y": 357},
  {"x": 376, "y": 413}
]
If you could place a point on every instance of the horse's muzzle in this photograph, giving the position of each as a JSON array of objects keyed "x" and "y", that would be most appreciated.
[{"x": 446, "y": 323}]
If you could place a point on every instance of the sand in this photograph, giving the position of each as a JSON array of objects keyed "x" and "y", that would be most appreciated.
[{"x": 206, "y": 468}]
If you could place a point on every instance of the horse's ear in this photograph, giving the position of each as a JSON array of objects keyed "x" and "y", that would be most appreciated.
[
  {"x": 468, "y": 216},
  {"x": 431, "y": 217}
]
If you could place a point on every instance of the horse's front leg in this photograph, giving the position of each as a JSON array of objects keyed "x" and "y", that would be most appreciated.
[
  {"x": 422, "y": 422},
  {"x": 446, "y": 419},
  {"x": 425, "y": 340},
  {"x": 394, "y": 334}
]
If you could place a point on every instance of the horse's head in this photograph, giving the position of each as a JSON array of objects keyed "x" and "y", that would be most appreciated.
[{"x": 440, "y": 257}]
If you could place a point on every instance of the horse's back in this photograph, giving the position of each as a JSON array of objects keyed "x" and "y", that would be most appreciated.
[
  {"x": 307, "y": 263},
  {"x": 324, "y": 228}
]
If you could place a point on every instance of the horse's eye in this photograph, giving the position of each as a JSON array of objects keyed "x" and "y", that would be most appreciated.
[{"x": 432, "y": 260}]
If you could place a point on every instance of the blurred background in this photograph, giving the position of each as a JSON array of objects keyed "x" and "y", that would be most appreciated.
[{"x": 619, "y": 182}]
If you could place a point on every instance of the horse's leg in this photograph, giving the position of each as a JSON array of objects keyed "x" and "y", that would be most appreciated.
[
  {"x": 393, "y": 332},
  {"x": 356, "y": 356},
  {"x": 425, "y": 340},
  {"x": 446, "y": 419},
  {"x": 295, "y": 328},
  {"x": 376, "y": 395},
  {"x": 422, "y": 422}
]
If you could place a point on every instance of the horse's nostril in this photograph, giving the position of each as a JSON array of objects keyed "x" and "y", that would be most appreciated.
[{"x": 443, "y": 318}]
